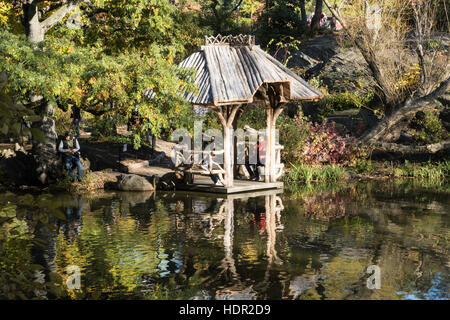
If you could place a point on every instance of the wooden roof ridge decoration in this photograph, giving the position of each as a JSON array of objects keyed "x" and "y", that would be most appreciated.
[{"x": 239, "y": 40}]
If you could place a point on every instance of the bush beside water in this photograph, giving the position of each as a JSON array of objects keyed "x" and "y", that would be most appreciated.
[{"x": 305, "y": 173}]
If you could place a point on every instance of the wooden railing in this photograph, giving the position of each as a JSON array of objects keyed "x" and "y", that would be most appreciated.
[
  {"x": 184, "y": 161},
  {"x": 279, "y": 167}
]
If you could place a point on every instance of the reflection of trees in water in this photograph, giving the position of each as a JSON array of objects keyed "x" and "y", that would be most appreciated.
[
  {"x": 44, "y": 254},
  {"x": 44, "y": 250},
  {"x": 322, "y": 206},
  {"x": 332, "y": 201},
  {"x": 194, "y": 215},
  {"x": 72, "y": 225},
  {"x": 203, "y": 243},
  {"x": 400, "y": 228},
  {"x": 329, "y": 205}
]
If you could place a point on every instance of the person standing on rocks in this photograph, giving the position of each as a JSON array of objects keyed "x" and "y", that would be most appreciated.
[{"x": 76, "y": 116}]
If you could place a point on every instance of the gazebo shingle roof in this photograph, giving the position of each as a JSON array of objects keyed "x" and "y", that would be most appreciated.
[{"x": 231, "y": 73}]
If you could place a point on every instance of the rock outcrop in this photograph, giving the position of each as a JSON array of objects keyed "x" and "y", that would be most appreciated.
[{"x": 133, "y": 182}]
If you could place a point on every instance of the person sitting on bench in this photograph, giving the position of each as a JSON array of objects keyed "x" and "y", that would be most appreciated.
[{"x": 70, "y": 148}]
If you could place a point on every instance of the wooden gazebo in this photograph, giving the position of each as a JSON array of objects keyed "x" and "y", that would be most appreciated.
[{"x": 234, "y": 73}]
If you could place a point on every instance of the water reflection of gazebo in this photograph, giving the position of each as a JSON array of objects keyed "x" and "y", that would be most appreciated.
[
  {"x": 233, "y": 74},
  {"x": 224, "y": 216}
]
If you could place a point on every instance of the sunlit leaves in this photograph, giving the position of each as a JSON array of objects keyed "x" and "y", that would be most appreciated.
[
  {"x": 9, "y": 17},
  {"x": 122, "y": 49},
  {"x": 11, "y": 113}
]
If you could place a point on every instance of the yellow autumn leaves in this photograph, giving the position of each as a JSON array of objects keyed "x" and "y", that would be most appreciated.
[{"x": 409, "y": 79}]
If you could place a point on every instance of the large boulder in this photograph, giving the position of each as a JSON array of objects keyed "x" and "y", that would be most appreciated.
[
  {"x": 314, "y": 52},
  {"x": 132, "y": 182},
  {"x": 338, "y": 67},
  {"x": 345, "y": 71}
]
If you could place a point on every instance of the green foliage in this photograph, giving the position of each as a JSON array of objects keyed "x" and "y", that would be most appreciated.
[
  {"x": 9, "y": 17},
  {"x": 12, "y": 114},
  {"x": 136, "y": 141},
  {"x": 307, "y": 173},
  {"x": 63, "y": 184},
  {"x": 105, "y": 125},
  {"x": 429, "y": 129},
  {"x": 293, "y": 137},
  {"x": 284, "y": 46},
  {"x": 364, "y": 166},
  {"x": 17, "y": 226},
  {"x": 250, "y": 11},
  {"x": 63, "y": 120},
  {"x": 210, "y": 121},
  {"x": 254, "y": 117},
  {"x": 428, "y": 171},
  {"x": 121, "y": 139},
  {"x": 123, "y": 48},
  {"x": 316, "y": 82},
  {"x": 342, "y": 101},
  {"x": 226, "y": 17},
  {"x": 281, "y": 19}
]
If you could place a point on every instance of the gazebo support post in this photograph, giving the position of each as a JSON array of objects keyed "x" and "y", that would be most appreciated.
[
  {"x": 276, "y": 112},
  {"x": 226, "y": 117},
  {"x": 228, "y": 156},
  {"x": 273, "y": 110},
  {"x": 268, "y": 156},
  {"x": 235, "y": 126}
]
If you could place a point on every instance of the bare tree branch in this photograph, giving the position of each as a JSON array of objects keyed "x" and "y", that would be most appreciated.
[
  {"x": 237, "y": 6},
  {"x": 369, "y": 57}
]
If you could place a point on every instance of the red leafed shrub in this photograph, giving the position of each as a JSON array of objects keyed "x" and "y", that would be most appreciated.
[{"x": 325, "y": 145}]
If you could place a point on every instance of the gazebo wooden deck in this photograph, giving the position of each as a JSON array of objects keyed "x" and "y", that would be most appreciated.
[
  {"x": 203, "y": 183},
  {"x": 232, "y": 75}
]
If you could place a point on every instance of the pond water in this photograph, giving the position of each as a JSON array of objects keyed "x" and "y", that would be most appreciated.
[{"x": 312, "y": 242}]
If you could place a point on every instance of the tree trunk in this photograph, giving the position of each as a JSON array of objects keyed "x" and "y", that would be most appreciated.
[
  {"x": 33, "y": 29},
  {"x": 46, "y": 156},
  {"x": 315, "y": 22},
  {"x": 303, "y": 12},
  {"x": 397, "y": 116},
  {"x": 387, "y": 129},
  {"x": 405, "y": 149}
]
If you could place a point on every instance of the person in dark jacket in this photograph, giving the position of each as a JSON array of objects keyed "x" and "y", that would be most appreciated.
[
  {"x": 76, "y": 116},
  {"x": 70, "y": 148}
]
